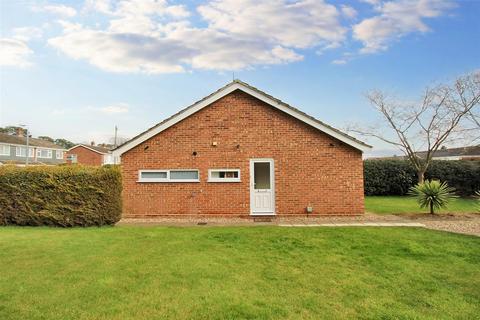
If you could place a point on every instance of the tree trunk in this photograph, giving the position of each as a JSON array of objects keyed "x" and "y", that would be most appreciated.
[
  {"x": 431, "y": 208},
  {"x": 421, "y": 176}
]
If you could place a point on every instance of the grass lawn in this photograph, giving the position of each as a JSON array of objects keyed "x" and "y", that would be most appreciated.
[
  {"x": 399, "y": 204},
  {"x": 238, "y": 272}
]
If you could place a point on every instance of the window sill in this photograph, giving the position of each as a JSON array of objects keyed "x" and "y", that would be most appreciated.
[
  {"x": 224, "y": 180},
  {"x": 168, "y": 181}
]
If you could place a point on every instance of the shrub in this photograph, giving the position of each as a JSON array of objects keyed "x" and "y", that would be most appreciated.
[
  {"x": 388, "y": 177},
  {"x": 63, "y": 196},
  {"x": 432, "y": 194},
  {"x": 464, "y": 176},
  {"x": 396, "y": 177}
]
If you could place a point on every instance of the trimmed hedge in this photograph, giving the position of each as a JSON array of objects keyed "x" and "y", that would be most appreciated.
[
  {"x": 64, "y": 196},
  {"x": 395, "y": 177}
]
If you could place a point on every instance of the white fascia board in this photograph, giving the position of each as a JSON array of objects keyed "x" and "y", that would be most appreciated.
[
  {"x": 149, "y": 134},
  {"x": 306, "y": 120}
]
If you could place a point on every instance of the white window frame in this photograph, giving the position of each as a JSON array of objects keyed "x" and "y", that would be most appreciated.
[
  {"x": 58, "y": 152},
  {"x": 212, "y": 179},
  {"x": 19, "y": 154},
  {"x": 72, "y": 157},
  {"x": 108, "y": 159},
  {"x": 49, "y": 153},
  {"x": 5, "y": 147},
  {"x": 167, "y": 179}
]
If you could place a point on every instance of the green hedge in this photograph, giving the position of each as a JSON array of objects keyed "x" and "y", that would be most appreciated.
[
  {"x": 65, "y": 196},
  {"x": 395, "y": 177}
]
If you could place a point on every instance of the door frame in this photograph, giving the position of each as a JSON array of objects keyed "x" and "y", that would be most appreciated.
[{"x": 272, "y": 185}]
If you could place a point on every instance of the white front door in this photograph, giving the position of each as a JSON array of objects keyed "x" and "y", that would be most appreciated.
[{"x": 262, "y": 187}]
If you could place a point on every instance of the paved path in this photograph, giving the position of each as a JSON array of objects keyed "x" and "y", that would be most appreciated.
[{"x": 356, "y": 224}]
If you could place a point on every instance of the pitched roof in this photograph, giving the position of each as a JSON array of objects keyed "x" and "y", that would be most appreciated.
[
  {"x": 240, "y": 85},
  {"x": 455, "y": 152},
  {"x": 31, "y": 162},
  {"x": 96, "y": 149},
  {"x": 34, "y": 142},
  {"x": 470, "y": 151}
]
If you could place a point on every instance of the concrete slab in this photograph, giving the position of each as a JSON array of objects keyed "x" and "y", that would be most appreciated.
[{"x": 364, "y": 224}]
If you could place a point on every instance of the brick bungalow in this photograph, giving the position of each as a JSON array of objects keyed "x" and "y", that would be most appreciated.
[
  {"x": 240, "y": 152},
  {"x": 89, "y": 155}
]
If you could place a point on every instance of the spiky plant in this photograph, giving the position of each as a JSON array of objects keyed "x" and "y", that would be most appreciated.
[{"x": 432, "y": 194}]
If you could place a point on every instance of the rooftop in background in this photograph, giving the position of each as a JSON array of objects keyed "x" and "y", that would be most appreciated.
[
  {"x": 460, "y": 153},
  {"x": 98, "y": 149},
  {"x": 34, "y": 142},
  {"x": 455, "y": 152}
]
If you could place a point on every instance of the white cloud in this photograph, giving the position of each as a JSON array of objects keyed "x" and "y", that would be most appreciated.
[
  {"x": 299, "y": 24},
  {"x": 130, "y": 8},
  {"x": 113, "y": 109},
  {"x": 372, "y": 2},
  {"x": 149, "y": 36},
  {"x": 59, "y": 9},
  {"x": 339, "y": 61},
  {"x": 27, "y": 33},
  {"x": 121, "y": 52},
  {"x": 102, "y": 6},
  {"x": 14, "y": 52},
  {"x": 396, "y": 19},
  {"x": 348, "y": 12}
]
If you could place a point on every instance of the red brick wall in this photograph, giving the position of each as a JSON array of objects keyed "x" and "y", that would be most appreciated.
[
  {"x": 311, "y": 168},
  {"x": 86, "y": 156}
]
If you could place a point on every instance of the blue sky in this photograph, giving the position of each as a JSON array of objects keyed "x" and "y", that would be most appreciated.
[{"x": 75, "y": 69}]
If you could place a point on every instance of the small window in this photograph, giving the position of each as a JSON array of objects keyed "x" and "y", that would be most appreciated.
[
  {"x": 72, "y": 158},
  {"x": 224, "y": 175},
  {"x": 44, "y": 153},
  {"x": 108, "y": 159},
  {"x": 153, "y": 175},
  {"x": 168, "y": 176},
  {"x": 261, "y": 175},
  {"x": 22, "y": 152},
  {"x": 183, "y": 175},
  {"x": 4, "y": 150},
  {"x": 59, "y": 154}
]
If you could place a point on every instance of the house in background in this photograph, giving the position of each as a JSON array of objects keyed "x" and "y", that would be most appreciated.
[
  {"x": 461, "y": 153},
  {"x": 90, "y": 155},
  {"x": 240, "y": 152},
  {"x": 13, "y": 149}
]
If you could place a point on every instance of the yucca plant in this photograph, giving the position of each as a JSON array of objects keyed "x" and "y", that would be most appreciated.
[{"x": 432, "y": 194}]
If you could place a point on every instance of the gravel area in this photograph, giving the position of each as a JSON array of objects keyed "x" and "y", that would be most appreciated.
[
  {"x": 235, "y": 221},
  {"x": 471, "y": 227},
  {"x": 458, "y": 223}
]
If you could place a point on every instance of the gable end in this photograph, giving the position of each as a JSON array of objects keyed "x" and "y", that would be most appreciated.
[{"x": 262, "y": 96}]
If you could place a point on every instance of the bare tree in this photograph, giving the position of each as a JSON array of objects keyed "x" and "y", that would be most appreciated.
[
  {"x": 474, "y": 117},
  {"x": 440, "y": 117}
]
